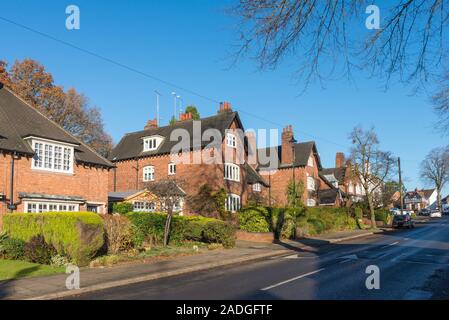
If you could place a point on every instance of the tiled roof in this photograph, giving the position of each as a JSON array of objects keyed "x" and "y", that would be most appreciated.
[
  {"x": 19, "y": 120},
  {"x": 131, "y": 145},
  {"x": 339, "y": 173},
  {"x": 254, "y": 176},
  {"x": 302, "y": 153}
]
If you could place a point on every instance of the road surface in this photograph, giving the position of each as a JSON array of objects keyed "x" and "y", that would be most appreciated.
[{"x": 408, "y": 262}]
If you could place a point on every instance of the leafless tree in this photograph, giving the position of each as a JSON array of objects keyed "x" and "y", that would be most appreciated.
[
  {"x": 169, "y": 194},
  {"x": 441, "y": 103},
  {"x": 370, "y": 164},
  {"x": 435, "y": 170},
  {"x": 328, "y": 37}
]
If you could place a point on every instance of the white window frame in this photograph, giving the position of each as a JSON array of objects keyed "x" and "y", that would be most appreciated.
[
  {"x": 46, "y": 158},
  {"x": 257, "y": 187},
  {"x": 231, "y": 140},
  {"x": 233, "y": 203},
  {"x": 310, "y": 162},
  {"x": 144, "y": 206},
  {"x": 171, "y": 169},
  {"x": 148, "y": 173},
  {"x": 311, "y": 202},
  {"x": 232, "y": 172},
  {"x": 311, "y": 183},
  {"x": 151, "y": 143},
  {"x": 47, "y": 206}
]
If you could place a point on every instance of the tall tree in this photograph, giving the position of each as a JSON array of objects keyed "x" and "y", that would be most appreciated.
[
  {"x": 435, "y": 170},
  {"x": 71, "y": 110},
  {"x": 327, "y": 37},
  {"x": 194, "y": 111},
  {"x": 441, "y": 102},
  {"x": 370, "y": 164}
]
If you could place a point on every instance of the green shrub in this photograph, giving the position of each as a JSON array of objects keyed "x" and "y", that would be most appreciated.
[
  {"x": 12, "y": 249},
  {"x": 316, "y": 220},
  {"x": 38, "y": 251},
  {"x": 122, "y": 207},
  {"x": 254, "y": 219},
  {"x": 383, "y": 215},
  {"x": 149, "y": 227},
  {"x": 78, "y": 235}
]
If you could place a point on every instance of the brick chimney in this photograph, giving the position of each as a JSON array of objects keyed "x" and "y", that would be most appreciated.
[
  {"x": 151, "y": 124},
  {"x": 287, "y": 145},
  {"x": 339, "y": 159},
  {"x": 185, "y": 116},
  {"x": 225, "y": 107}
]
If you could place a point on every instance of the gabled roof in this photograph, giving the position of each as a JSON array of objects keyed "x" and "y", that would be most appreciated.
[
  {"x": 302, "y": 153},
  {"x": 424, "y": 193},
  {"x": 254, "y": 177},
  {"x": 19, "y": 120},
  {"x": 131, "y": 145},
  {"x": 339, "y": 173}
]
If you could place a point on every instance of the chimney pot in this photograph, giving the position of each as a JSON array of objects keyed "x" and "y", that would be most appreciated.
[{"x": 151, "y": 124}]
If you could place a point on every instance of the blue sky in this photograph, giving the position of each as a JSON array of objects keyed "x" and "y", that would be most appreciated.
[{"x": 188, "y": 43}]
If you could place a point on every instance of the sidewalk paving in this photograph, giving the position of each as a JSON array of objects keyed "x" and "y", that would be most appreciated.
[{"x": 94, "y": 279}]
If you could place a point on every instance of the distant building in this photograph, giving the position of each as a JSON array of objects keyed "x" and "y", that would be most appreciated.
[{"x": 419, "y": 199}]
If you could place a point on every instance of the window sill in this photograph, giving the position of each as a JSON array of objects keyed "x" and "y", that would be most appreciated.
[{"x": 53, "y": 172}]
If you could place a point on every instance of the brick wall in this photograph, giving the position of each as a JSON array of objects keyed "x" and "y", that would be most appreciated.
[
  {"x": 129, "y": 173},
  {"x": 280, "y": 179},
  {"x": 88, "y": 183}
]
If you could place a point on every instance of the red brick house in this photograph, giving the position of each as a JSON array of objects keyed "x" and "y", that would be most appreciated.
[
  {"x": 43, "y": 167},
  {"x": 216, "y": 155},
  {"x": 298, "y": 160},
  {"x": 341, "y": 176}
]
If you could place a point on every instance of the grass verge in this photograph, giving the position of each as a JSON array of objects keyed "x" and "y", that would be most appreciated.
[{"x": 14, "y": 269}]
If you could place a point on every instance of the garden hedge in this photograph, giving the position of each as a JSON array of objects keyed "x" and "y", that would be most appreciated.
[
  {"x": 149, "y": 226},
  {"x": 254, "y": 219},
  {"x": 78, "y": 235}
]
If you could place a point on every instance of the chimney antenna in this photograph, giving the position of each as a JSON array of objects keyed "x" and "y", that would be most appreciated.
[
  {"x": 174, "y": 104},
  {"x": 158, "y": 95}
]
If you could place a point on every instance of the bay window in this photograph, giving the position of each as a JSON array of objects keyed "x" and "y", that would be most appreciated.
[
  {"x": 231, "y": 172},
  {"x": 232, "y": 203}
]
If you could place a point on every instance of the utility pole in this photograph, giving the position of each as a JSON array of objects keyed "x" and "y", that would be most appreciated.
[
  {"x": 158, "y": 95},
  {"x": 400, "y": 186}
]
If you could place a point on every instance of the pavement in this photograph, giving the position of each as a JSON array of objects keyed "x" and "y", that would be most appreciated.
[
  {"x": 408, "y": 264},
  {"x": 96, "y": 279}
]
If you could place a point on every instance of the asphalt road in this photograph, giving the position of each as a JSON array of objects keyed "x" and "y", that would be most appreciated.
[{"x": 407, "y": 260}]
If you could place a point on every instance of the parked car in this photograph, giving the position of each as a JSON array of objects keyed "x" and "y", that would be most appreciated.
[
  {"x": 435, "y": 213},
  {"x": 403, "y": 221},
  {"x": 424, "y": 212}
]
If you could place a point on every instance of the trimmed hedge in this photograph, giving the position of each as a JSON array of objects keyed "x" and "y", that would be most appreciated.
[
  {"x": 78, "y": 235},
  {"x": 149, "y": 226},
  {"x": 254, "y": 219},
  {"x": 122, "y": 207}
]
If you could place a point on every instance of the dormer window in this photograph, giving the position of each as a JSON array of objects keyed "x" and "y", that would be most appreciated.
[
  {"x": 151, "y": 143},
  {"x": 52, "y": 156}
]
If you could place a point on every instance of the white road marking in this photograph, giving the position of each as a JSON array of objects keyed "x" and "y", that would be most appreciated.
[
  {"x": 391, "y": 244},
  {"x": 292, "y": 279}
]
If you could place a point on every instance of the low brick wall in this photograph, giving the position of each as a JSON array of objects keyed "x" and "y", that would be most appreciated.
[{"x": 254, "y": 236}]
